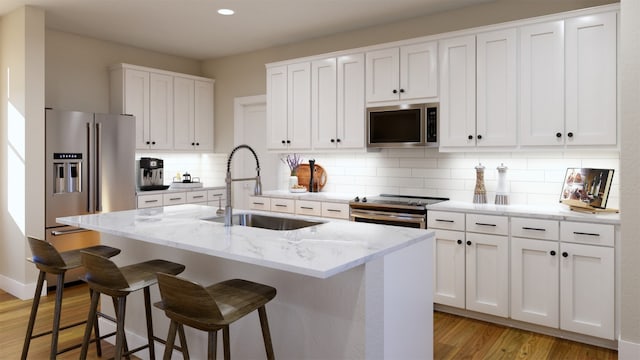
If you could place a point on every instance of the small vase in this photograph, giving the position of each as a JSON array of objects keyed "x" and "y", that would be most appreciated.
[{"x": 293, "y": 181}]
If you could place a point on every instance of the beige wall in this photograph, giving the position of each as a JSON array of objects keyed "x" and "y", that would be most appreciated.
[
  {"x": 77, "y": 69},
  {"x": 244, "y": 75},
  {"x": 21, "y": 141},
  {"x": 630, "y": 171}
]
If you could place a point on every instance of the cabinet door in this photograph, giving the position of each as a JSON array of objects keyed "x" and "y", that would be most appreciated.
[
  {"x": 382, "y": 75},
  {"x": 458, "y": 91},
  {"x": 587, "y": 290},
  {"x": 534, "y": 281},
  {"x": 324, "y": 98},
  {"x": 487, "y": 270},
  {"x": 448, "y": 268},
  {"x": 161, "y": 111},
  {"x": 496, "y": 97},
  {"x": 183, "y": 100},
  {"x": 203, "y": 115},
  {"x": 351, "y": 103},
  {"x": 299, "y": 106},
  {"x": 542, "y": 84},
  {"x": 419, "y": 71},
  {"x": 591, "y": 80},
  {"x": 136, "y": 103},
  {"x": 277, "y": 108}
]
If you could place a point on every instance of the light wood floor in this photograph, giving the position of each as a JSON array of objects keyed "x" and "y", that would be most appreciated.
[{"x": 454, "y": 337}]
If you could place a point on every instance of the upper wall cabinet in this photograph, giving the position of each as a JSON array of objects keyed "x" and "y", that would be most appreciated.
[
  {"x": 166, "y": 106},
  {"x": 568, "y": 82},
  {"x": 337, "y": 103},
  {"x": 404, "y": 73},
  {"x": 193, "y": 114},
  {"x": 289, "y": 107}
]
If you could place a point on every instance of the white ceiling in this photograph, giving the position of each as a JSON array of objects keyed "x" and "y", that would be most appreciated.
[{"x": 193, "y": 29}]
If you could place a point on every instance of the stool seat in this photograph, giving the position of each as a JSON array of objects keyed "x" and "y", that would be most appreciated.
[
  {"x": 49, "y": 261},
  {"x": 104, "y": 277},
  {"x": 212, "y": 308}
]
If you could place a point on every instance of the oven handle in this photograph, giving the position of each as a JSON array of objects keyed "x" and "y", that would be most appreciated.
[{"x": 377, "y": 215}]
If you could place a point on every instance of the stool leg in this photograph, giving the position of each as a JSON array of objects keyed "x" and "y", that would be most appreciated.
[
  {"x": 120, "y": 334},
  {"x": 96, "y": 328},
  {"x": 183, "y": 342},
  {"x": 226, "y": 343},
  {"x": 125, "y": 346},
  {"x": 95, "y": 296},
  {"x": 32, "y": 317},
  {"x": 266, "y": 335},
  {"x": 147, "y": 309},
  {"x": 171, "y": 338},
  {"x": 213, "y": 344},
  {"x": 56, "y": 317}
]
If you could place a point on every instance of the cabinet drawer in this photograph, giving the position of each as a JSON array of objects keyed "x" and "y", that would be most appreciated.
[
  {"x": 445, "y": 220},
  {"x": 587, "y": 233},
  {"x": 214, "y": 195},
  {"x": 196, "y": 196},
  {"x": 488, "y": 224},
  {"x": 282, "y": 205},
  {"x": 259, "y": 203},
  {"x": 535, "y": 228},
  {"x": 174, "y": 199},
  {"x": 335, "y": 210},
  {"x": 305, "y": 207},
  {"x": 147, "y": 201}
]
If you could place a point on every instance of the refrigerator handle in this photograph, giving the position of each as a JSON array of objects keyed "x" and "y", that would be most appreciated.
[
  {"x": 98, "y": 167},
  {"x": 89, "y": 174}
]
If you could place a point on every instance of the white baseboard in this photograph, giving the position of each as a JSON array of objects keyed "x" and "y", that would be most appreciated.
[
  {"x": 18, "y": 289},
  {"x": 133, "y": 340},
  {"x": 628, "y": 350}
]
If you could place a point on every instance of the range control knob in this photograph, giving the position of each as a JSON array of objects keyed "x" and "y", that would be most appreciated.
[
  {"x": 364, "y": 199},
  {"x": 357, "y": 199}
]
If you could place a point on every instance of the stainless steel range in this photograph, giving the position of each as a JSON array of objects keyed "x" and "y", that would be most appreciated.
[{"x": 399, "y": 210}]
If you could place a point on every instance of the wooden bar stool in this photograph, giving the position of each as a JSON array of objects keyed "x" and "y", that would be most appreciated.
[
  {"x": 212, "y": 308},
  {"x": 49, "y": 261},
  {"x": 104, "y": 277}
]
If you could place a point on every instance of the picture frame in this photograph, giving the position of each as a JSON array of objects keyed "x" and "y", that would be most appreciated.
[{"x": 586, "y": 187}]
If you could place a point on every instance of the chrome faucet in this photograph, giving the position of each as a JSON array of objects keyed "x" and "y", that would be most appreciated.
[{"x": 257, "y": 190}]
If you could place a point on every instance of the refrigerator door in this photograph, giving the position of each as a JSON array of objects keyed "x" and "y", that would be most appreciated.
[
  {"x": 68, "y": 160},
  {"x": 115, "y": 182}
]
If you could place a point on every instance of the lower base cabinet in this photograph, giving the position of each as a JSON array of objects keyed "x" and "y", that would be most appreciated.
[{"x": 487, "y": 270}]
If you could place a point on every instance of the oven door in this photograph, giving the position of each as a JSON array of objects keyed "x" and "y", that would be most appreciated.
[{"x": 389, "y": 218}]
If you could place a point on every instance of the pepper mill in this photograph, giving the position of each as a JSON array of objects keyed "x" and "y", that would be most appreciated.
[
  {"x": 480, "y": 192},
  {"x": 312, "y": 170},
  {"x": 502, "y": 195}
]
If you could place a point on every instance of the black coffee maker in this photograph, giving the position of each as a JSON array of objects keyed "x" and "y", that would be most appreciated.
[{"x": 151, "y": 174}]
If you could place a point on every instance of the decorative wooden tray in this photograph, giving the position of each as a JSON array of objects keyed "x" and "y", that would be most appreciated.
[{"x": 579, "y": 206}]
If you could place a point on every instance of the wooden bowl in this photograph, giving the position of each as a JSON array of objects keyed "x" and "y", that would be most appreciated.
[{"x": 319, "y": 179}]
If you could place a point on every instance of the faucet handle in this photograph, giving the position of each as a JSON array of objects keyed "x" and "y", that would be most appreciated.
[{"x": 220, "y": 211}]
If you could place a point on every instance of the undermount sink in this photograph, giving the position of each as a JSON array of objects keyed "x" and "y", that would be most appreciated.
[{"x": 266, "y": 222}]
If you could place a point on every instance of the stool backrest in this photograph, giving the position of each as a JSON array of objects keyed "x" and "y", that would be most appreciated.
[
  {"x": 45, "y": 254},
  {"x": 102, "y": 271},
  {"x": 187, "y": 297}
]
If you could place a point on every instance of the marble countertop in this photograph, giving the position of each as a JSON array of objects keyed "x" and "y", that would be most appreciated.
[
  {"x": 314, "y": 196},
  {"x": 320, "y": 251},
  {"x": 551, "y": 211}
]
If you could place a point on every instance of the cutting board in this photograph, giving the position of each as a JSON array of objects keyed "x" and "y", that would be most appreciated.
[{"x": 319, "y": 179}]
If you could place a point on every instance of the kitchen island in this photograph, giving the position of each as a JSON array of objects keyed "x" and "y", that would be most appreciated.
[{"x": 345, "y": 290}]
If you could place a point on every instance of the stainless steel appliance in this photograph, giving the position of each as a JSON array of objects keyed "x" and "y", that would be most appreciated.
[
  {"x": 151, "y": 174},
  {"x": 402, "y": 126},
  {"x": 399, "y": 210},
  {"x": 90, "y": 167}
]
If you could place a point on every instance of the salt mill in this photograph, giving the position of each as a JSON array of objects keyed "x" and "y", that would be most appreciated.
[
  {"x": 502, "y": 195},
  {"x": 480, "y": 192}
]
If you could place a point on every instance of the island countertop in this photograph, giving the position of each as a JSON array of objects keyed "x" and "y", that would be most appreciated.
[{"x": 320, "y": 251}]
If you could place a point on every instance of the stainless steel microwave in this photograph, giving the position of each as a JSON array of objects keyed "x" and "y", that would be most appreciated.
[{"x": 402, "y": 126}]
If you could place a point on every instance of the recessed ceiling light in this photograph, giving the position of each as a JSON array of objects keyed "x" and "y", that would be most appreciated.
[{"x": 226, "y": 12}]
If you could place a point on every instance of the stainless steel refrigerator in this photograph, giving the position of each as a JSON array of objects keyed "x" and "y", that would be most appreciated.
[{"x": 90, "y": 168}]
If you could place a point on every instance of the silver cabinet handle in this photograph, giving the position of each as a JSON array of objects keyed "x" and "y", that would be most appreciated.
[
  {"x": 447, "y": 221},
  {"x": 150, "y": 201},
  {"x": 535, "y": 229},
  {"x": 174, "y": 199},
  {"x": 280, "y": 205},
  {"x": 258, "y": 203},
  {"x": 485, "y": 224},
  {"x": 584, "y": 233},
  {"x": 198, "y": 196},
  {"x": 334, "y": 210},
  {"x": 306, "y": 207}
]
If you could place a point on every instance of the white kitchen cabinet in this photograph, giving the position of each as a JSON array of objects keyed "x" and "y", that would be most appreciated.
[
  {"x": 402, "y": 73},
  {"x": 335, "y": 210},
  {"x": 196, "y": 197},
  {"x": 259, "y": 203},
  {"x": 289, "y": 107},
  {"x": 591, "y": 78},
  {"x": 160, "y": 125},
  {"x": 174, "y": 198},
  {"x": 496, "y": 88},
  {"x": 458, "y": 91},
  {"x": 587, "y": 290},
  {"x": 449, "y": 267},
  {"x": 283, "y": 205},
  {"x": 193, "y": 114},
  {"x": 310, "y": 208},
  {"x": 217, "y": 197},
  {"x": 337, "y": 103},
  {"x": 542, "y": 84},
  {"x": 147, "y": 201}
]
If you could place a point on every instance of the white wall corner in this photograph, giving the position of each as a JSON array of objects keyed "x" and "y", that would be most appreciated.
[{"x": 628, "y": 350}]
